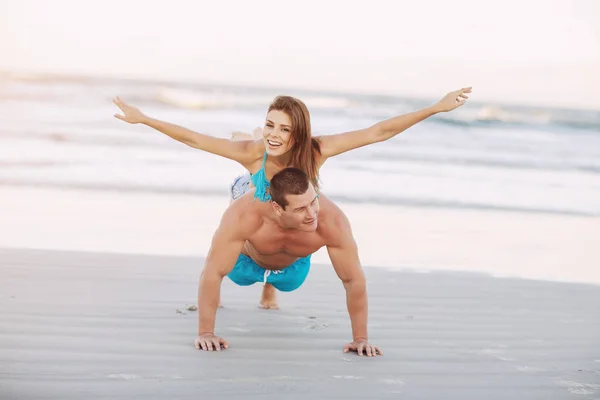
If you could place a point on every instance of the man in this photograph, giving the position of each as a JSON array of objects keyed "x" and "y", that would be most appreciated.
[{"x": 271, "y": 242}]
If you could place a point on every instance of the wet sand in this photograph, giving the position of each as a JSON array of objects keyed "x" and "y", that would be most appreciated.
[{"x": 88, "y": 325}]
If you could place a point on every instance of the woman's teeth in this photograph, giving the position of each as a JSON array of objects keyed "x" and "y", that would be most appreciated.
[{"x": 274, "y": 144}]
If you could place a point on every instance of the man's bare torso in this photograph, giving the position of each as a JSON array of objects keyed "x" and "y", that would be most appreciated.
[{"x": 275, "y": 248}]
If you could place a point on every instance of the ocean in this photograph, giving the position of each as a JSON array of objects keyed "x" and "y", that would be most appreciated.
[{"x": 60, "y": 132}]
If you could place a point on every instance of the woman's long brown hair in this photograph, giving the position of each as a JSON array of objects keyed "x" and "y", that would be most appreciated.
[{"x": 304, "y": 148}]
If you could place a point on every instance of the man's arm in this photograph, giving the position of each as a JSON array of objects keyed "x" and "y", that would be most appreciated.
[
  {"x": 344, "y": 257},
  {"x": 345, "y": 260},
  {"x": 226, "y": 246}
]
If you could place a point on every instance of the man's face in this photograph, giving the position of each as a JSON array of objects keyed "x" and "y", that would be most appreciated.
[{"x": 301, "y": 212}]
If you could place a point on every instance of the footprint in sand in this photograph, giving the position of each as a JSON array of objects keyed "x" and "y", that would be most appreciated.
[
  {"x": 578, "y": 387},
  {"x": 238, "y": 329},
  {"x": 347, "y": 377},
  {"x": 125, "y": 377}
]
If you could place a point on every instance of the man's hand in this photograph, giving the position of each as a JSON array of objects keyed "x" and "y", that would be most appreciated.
[
  {"x": 361, "y": 345},
  {"x": 207, "y": 341},
  {"x": 453, "y": 100},
  {"x": 131, "y": 114}
]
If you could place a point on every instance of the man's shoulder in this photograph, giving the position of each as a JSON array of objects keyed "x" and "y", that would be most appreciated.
[
  {"x": 245, "y": 213},
  {"x": 330, "y": 210},
  {"x": 333, "y": 222}
]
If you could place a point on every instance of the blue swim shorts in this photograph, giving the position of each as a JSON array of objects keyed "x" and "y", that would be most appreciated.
[{"x": 246, "y": 272}]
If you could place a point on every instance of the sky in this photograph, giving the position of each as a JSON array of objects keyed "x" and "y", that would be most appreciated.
[{"x": 527, "y": 51}]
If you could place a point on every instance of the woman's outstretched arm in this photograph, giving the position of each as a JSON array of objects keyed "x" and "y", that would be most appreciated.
[
  {"x": 332, "y": 145},
  {"x": 243, "y": 151}
]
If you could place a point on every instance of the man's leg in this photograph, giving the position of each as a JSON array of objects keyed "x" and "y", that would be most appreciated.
[
  {"x": 244, "y": 273},
  {"x": 268, "y": 300},
  {"x": 286, "y": 280}
]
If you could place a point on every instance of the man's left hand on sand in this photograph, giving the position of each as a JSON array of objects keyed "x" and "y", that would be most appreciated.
[{"x": 362, "y": 345}]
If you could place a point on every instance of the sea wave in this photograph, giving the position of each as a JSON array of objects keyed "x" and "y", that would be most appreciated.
[
  {"x": 358, "y": 199},
  {"x": 25, "y": 87}
]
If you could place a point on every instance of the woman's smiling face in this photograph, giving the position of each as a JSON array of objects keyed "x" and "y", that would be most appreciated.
[{"x": 277, "y": 133}]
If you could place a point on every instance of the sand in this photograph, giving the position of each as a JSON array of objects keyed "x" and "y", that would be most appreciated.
[
  {"x": 85, "y": 325},
  {"x": 95, "y": 285}
]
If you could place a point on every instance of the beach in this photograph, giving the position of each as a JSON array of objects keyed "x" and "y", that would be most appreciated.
[
  {"x": 96, "y": 287},
  {"x": 477, "y": 231},
  {"x": 87, "y": 325}
]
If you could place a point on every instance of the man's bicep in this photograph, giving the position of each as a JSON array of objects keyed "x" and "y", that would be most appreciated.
[
  {"x": 345, "y": 260},
  {"x": 225, "y": 248}
]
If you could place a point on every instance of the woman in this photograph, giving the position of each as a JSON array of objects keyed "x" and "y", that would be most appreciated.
[
  {"x": 287, "y": 142},
  {"x": 286, "y": 139}
]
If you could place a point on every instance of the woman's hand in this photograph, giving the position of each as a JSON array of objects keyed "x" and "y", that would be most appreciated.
[
  {"x": 453, "y": 100},
  {"x": 131, "y": 114}
]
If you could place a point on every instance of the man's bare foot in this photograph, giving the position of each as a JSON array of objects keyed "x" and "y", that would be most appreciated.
[{"x": 268, "y": 301}]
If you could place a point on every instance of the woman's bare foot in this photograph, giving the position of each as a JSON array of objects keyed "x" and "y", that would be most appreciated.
[
  {"x": 241, "y": 136},
  {"x": 268, "y": 300},
  {"x": 257, "y": 133}
]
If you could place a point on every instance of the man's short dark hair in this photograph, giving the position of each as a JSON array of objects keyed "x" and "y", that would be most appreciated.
[{"x": 288, "y": 181}]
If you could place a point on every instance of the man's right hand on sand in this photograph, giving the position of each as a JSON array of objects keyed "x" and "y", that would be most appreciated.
[{"x": 210, "y": 342}]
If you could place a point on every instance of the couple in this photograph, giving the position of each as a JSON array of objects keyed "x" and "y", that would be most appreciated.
[{"x": 271, "y": 240}]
